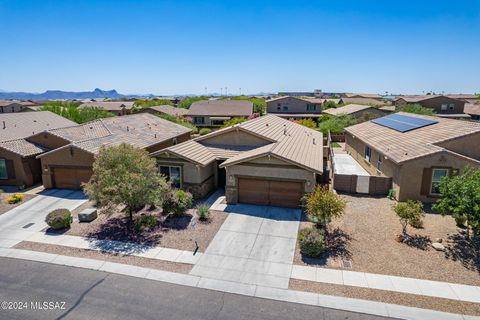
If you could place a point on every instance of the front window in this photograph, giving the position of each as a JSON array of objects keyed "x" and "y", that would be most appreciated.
[
  {"x": 285, "y": 108},
  {"x": 199, "y": 120},
  {"x": 437, "y": 175},
  {"x": 3, "y": 169},
  {"x": 368, "y": 153},
  {"x": 444, "y": 107},
  {"x": 172, "y": 174},
  {"x": 311, "y": 107},
  {"x": 379, "y": 162},
  {"x": 451, "y": 106}
]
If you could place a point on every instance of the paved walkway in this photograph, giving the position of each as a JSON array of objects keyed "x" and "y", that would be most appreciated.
[
  {"x": 28, "y": 218},
  {"x": 255, "y": 245},
  {"x": 307, "y": 298},
  {"x": 429, "y": 288}
]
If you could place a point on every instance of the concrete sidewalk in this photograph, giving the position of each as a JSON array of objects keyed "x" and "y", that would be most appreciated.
[{"x": 355, "y": 305}]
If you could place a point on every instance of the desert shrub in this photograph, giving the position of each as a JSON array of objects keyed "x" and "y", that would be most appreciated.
[
  {"x": 309, "y": 123},
  {"x": 204, "y": 131},
  {"x": 312, "y": 242},
  {"x": 417, "y": 223},
  {"x": 146, "y": 221},
  {"x": 16, "y": 198},
  {"x": 203, "y": 211},
  {"x": 410, "y": 213},
  {"x": 177, "y": 202},
  {"x": 460, "y": 220},
  {"x": 59, "y": 219},
  {"x": 323, "y": 205},
  {"x": 233, "y": 121}
]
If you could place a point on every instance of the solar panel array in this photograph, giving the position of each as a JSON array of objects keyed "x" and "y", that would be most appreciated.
[{"x": 403, "y": 123}]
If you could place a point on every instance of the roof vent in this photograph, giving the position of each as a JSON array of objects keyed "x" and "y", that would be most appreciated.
[
  {"x": 285, "y": 131},
  {"x": 314, "y": 141},
  {"x": 4, "y": 125},
  {"x": 128, "y": 129}
]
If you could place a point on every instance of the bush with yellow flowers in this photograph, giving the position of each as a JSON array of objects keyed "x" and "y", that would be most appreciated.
[{"x": 16, "y": 198}]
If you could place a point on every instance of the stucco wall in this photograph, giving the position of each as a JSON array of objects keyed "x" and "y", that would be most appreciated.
[
  {"x": 436, "y": 103},
  {"x": 467, "y": 145},
  {"x": 168, "y": 143},
  {"x": 21, "y": 171},
  {"x": 294, "y": 106}
]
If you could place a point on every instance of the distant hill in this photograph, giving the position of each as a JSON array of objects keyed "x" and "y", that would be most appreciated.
[{"x": 67, "y": 95}]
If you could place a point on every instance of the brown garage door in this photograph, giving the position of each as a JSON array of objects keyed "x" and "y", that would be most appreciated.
[
  {"x": 70, "y": 178},
  {"x": 270, "y": 192}
]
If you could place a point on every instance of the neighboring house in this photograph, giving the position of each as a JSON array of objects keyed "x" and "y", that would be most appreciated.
[
  {"x": 442, "y": 105},
  {"x": 468, "y": 98},
  {"x": 375, "y": 96},
  {"x": 473, "y": 110},
  {"x": 211, "y": 113},
  {"x": 118, "y": 108},
  {"x": 166, "y": 109},
  {"x": 416, "y": 151},
  {"x": 295, "y": 107},
  {"x": 388, "y": 109},
  {"x": 362, "y": 100},
  {"x": 18, "y": 165},
  {"x": 336, "y": 101},
  {"x": 73, "y": 149},
  {"x": 267, "y": 160},
  {"x": 355, "y": 110},
  {"x": 10, "y": 106}
]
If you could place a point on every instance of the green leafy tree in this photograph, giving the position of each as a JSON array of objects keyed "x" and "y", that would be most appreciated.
[
  {"x": 125, "y": 175},
  {"x": 329, "y": 104},
  {"x": 187, "y": 102},
  {"x": 233, "y": 122},
  {"x": 410, "y": 213},
  {"x": 78, "y": 115},
  {"x": 415, "y": 108},
  {"x": 143, "y": 103},
  {"x": 323, "y": 205},
  {"x": 307, "y": 123},
  {"x": 461, "y": 197},
  {"x": 324, "y": 117},
  {"x": 337, "y": 125}
]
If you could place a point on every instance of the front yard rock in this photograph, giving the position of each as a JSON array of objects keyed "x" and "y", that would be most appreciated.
[
  {"x": 438, "y": 246},
  {"x": 439, "y": 240},
  {"x": 87, "y": 215}
]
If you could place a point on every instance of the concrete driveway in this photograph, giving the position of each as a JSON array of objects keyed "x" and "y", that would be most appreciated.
[
  {"x": 255, "y": 245},
  {"x": 19, "y": 223}
]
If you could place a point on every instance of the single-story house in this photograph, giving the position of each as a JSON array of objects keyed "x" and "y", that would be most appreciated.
[
  {"x": 444, "y": 106},
  {"x": 166, "y": 109},
  {"x": 468, "y": 98},
  {"x": 211, "y": 113},
  {"x": 362, "y": 100},
  {"x": 10, "y": 106},
  {"x": 69, "y": 162},
  {"x": 267, "y": 160},
  {"x": 118, "y": 108},
  {"x": 416, "y": 151},
  {"x": 375, "y": 96},
  {"x": 473, "y": 110},
  {"x": 355, "y": 110},
  {"x": 295, "y": 107},
  {"x": 18, "y": 165}
]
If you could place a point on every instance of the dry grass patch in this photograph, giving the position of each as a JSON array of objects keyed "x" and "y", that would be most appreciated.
[{"x": 366, "y": 236}]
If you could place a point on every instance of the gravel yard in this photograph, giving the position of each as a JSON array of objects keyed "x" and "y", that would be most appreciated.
[
  {"x": 4, "y": 207},
  {"x": 366, "y": 236},
  {"x": 177, "y": 233},
  {"x": 119, "y": 258},
  {"x": 411, "y": 300}
]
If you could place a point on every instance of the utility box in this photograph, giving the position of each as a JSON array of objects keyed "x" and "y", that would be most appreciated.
[{"x": 87, "y": 215}]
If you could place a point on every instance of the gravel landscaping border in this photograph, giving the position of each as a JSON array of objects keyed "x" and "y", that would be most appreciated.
[
  {"x": 410, "y": 300},
  {"x": 5, "y": 207},
  {"x": 98, "y": 255},
  {"x": 366, "y": 237}
]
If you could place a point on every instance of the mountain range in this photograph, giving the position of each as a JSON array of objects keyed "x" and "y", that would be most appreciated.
[{"x": 67, "y": 95}]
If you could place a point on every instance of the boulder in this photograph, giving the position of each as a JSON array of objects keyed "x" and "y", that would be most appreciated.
[
  {"x": 438, "y": 246},
  {"x": 439, "y": 240},
  {"x": 87, "y": 215}
]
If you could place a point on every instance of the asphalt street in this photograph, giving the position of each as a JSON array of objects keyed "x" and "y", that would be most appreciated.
[{"x": 34, "y": 290}]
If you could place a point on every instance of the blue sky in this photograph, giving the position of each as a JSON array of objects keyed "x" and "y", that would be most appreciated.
[{"x": 171, "y": 47}]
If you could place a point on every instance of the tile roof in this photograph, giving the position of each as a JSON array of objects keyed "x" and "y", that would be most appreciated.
[
  {"x": 401, "y": 147},
  {"x": 141, "y": 130},
  {"x": 171, "y": 110},
  {"x": 297, "y": 115},
  {"x": 231, "y": 108},
  {"x": 289, "y": 141},
  {"x": 109, "y": 105},
  {"x": 6, "y": 103},
  {"x": 347, "y": 109},
  {"x": 419, "y": 98},
  {"x": 22, "y": 147},
  {"x": 368, "y": 101},
  {"x": 472, "y": 109},
  {"x": 463, "y": 96},
  {"x": 363, "y": 95},
  {"x": 23, "y": 124},
  {"x": 306, "y": 99}
]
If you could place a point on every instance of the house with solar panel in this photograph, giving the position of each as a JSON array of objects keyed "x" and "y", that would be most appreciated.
[{"x": 412, "y": 152}]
